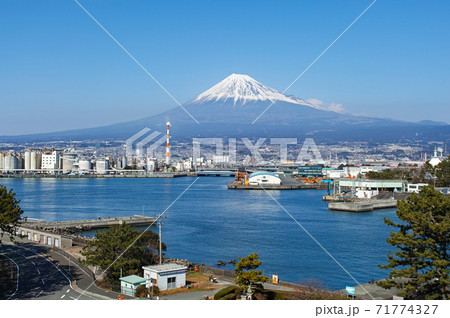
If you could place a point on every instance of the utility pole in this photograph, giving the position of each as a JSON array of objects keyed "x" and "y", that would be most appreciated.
[{"x": 160, "y": 241}]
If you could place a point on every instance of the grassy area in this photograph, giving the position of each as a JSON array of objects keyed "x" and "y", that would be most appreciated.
[
  {"x": 7, "y": 284},
  {"x": 199, "y": 282}
]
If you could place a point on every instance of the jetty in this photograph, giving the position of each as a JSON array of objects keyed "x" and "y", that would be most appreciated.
[
  {"x": 362, "y": 205},
  {"x": 87, "y": 225}
]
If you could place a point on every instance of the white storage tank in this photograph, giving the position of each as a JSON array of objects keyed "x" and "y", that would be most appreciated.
[
  {"x": 102, "y": 166},
  {"x": 69, "y": 162},
  {"x": 35, "y": 160},
  {"x": 84, "y": 165},
  {"x": 27, "y": 160}
]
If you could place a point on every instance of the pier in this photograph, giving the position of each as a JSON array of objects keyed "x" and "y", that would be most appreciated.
[
  {"x": 216, "y": 173},
  {"x": 287, "y": 183},
  {"x": 362, "y": 205},
  {"x": 87, "y": 225}
]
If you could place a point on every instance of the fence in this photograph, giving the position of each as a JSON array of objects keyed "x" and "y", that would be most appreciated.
[
  {"x": 217, "y": 271},
  {"x": 73, "y": 259},
  {"x": 231, "y": 274},
  {"x": 129, "y": 291}
]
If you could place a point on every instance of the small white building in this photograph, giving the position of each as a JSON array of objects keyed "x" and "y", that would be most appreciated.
[
  {"x": 334, "y": 174},
  {"x": 129, "y": 284},
  {"x": 366, "y": 194},
  {"x": 152, "y": 164},
  {"x": 416, "y": 187},
  {"x": 264, "y": 178},
  {"x": 102, "y": 166},
  {"x": 188, "y": 165},
  {"x": 221, "y": 159},
  {"x": 165, "y": 276},
  {"x": 50, "y": 160}
]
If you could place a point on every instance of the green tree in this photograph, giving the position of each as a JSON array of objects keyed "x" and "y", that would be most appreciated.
[
  {"x": 10, "y": 211},
  {"x": 142, "y": 291},
  {"x": 442, "y": 173},
  {"x": 122, "y": 247},
  {"x": 394, "y": 174},
  {"x": 422, "y": 242},
  {"x": 247, "y": 273}
]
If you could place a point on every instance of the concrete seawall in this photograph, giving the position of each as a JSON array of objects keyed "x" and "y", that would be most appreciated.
[
  {"x": 135, "y": 220},
  {"x": 362, "y": 206}
]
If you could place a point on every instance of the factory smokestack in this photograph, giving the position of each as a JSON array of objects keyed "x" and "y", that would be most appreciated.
[{"x": 168, "y": 146}]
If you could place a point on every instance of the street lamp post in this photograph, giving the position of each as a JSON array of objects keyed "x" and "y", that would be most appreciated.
[{"x": 160, "y": 241}]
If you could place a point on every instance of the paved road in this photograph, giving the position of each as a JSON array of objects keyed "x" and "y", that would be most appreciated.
[
  {"x": 36, "y": 277},
  {"x": 373, "y": 291},
  {"x": 223, "y": 282}
]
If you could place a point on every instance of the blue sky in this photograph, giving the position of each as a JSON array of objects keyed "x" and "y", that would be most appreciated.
[{"x": 60, "y": 71}]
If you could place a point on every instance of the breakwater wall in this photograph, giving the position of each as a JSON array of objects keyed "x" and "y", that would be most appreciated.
[{"x": 362, "y": 206}]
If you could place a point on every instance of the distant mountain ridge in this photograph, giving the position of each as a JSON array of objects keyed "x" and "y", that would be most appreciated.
[{"x": 229, "y": 108}]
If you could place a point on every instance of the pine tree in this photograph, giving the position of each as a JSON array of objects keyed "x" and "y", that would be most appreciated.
[
  {"x": 442, "y": 172},
  {"x": 122, "y": 247},
  {"x": 10, "y": 211},
  {"x": 422, "y": 242},
  {"x": 246, "y": 272}
]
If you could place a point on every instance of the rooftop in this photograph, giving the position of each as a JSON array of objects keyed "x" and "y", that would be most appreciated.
[
  {"x": 257, "y": 173},
  {"x": 133, "y": 279},
  {"x": 165, "y": 267}
]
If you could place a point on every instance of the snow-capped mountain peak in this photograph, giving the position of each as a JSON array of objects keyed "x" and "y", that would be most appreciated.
[{"x": 241, "y": 88}]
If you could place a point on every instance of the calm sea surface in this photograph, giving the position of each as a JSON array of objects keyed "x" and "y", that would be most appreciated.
[{"x": 210, "y": 223}]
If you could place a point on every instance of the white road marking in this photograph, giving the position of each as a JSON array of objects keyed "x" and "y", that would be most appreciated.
[
  {"x": 68, "y": 279},
  {"x": 39, "y": 293},
  {"x": 63, "y": 296},
  {"x": 73, "y": 298},
  {"x": 39, "y": 272},
  {"x": 70, "y": 282},
  {"x": 42, "y": 280},
  {"x": 68, "y": 291},
  {"x": 33, "y": 263}
]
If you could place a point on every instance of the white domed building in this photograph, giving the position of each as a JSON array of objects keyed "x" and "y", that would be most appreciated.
[
  {"x": 435, "y": 160},
  {"x": 264, "y": 178}
]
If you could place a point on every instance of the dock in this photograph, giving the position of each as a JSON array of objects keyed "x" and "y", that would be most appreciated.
[
  {"x": 362, "y": 205},
  {"x": 87, "y": 225},
  {"x": 287, "y": 183}
]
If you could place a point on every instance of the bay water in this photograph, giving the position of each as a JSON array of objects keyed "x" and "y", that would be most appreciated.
[{"x": 211, "y": 223}]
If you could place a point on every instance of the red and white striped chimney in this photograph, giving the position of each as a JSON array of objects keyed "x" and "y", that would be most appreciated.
[{"x": 168, "y": 147}]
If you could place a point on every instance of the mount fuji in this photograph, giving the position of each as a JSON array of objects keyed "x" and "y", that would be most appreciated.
[
  {"x": 241, "y": 89},
  {"x": 229, "y": 109}
]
